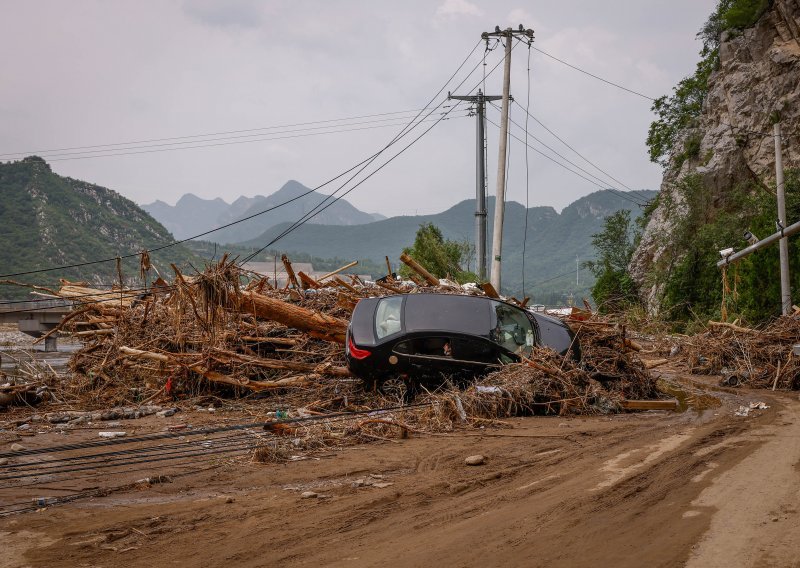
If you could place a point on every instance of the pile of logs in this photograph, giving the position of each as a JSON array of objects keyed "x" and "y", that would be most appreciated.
[
  {"x": 222, "y": 331},
  {"x": 755, "y": 357},
  {"x": 225, "y": 333}
]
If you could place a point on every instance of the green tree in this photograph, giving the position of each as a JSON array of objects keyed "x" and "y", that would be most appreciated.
[
  {"x": 441, "y": 257},
  {"x": 614, "y": 289}
]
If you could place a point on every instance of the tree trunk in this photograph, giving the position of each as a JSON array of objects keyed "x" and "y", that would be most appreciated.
[{"x": 315, "y": 324}]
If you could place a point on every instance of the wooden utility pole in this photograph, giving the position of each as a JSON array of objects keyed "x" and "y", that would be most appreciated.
[{"x": 500, "y": 200}]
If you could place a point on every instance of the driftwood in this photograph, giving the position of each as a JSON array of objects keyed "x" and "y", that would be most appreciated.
[
  {"x": 419, "y": 269},
  {"x": 307, "y": 281},
  {"x": 289, "y": 271},
  {"x": 489, "y": 290},
  {"x": 319, "y": 325},
  {"x": 337, "y": 271},
  {"x": 732, "y": 326}
]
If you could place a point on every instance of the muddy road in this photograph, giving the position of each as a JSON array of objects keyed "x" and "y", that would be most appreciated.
[{"x": 699, "y": 488}]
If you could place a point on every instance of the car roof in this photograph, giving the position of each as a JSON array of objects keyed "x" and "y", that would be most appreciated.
[{"x": 447, "y": 312}]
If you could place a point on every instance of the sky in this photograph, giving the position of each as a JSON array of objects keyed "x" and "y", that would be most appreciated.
[{"x": 227, "y": 73}]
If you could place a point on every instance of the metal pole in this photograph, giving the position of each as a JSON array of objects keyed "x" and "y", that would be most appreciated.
[
  {"x": 789, "y": 231},
  {"x": 499, "y": 204},
  {"x": 786, "y": 292},
  {"x": 480, "y": 187}
]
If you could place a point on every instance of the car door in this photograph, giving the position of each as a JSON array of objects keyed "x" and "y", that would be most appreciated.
[{"x": 449, "y": 354}]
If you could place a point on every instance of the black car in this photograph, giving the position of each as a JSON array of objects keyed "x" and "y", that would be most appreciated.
[{"x": 427, "y": 335}]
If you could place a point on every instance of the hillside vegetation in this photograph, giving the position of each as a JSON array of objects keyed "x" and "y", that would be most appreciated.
[{"x": 47, "y": 220}]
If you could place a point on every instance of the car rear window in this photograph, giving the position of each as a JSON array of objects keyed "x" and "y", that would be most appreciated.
[{"x": 387, "y": 316}]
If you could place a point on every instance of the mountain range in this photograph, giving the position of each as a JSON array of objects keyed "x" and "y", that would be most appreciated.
[
  {"x": 192, "y": 215},
  {"x": 554, "y": 240},
  {"x": 47, "y": 220}
]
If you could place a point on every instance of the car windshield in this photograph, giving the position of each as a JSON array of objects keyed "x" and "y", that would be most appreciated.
[
  {"x": 511, "y": 329},
  {"x": 387, "y": 316}
]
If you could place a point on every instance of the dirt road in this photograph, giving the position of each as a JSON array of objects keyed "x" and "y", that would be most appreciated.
[{"x": 649, "y": 489}]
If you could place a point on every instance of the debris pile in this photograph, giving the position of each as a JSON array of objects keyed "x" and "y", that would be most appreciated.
[
  {"x": 226, "y": 334},
  {"x": 754, "y": 357},
  {"x": 608, "y": 374}
]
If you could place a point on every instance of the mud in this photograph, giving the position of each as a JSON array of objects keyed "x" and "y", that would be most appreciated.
[{"x": 699, "y": 488}]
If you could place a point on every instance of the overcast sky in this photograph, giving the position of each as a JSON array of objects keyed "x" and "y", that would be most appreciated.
[{"x": 83, "y": 73}]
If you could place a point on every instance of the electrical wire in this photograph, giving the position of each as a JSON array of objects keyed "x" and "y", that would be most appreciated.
[
  {"x": 313, "y": 214},
  {"x": 367, "y": 161},
  {"x": 552, "y": 278},
  {"x": 48, "y": 464},
  {"x": 262, "y": 139},
  {"x": 613, "y": 84},
  {"x": 649, "y": 98},
  {"x": 219, "y": 133},
  {"x": 602, "y": 183},
  {"x": 206, "y": 431},
  {"x": 618, "y": 193},
  {"x": 565, "y": 143},
  {"x": 136, "y": 460},
  {"x": 527, "y": 173}
]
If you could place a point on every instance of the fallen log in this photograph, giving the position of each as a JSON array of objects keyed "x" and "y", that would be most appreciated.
[
  {"x": 345, "y": 285},
  {"x": 389, "y": 287},
  {"x": 732, "y": 326},
  {"x": 337, "y": 271},
  {"x": 227, "y": 357},
  {"x": 308, "y": 282},
  {"x": 318, "y": 325},
  {"x": 419, "y": 269},
  {"x": 655, "y": 363}
]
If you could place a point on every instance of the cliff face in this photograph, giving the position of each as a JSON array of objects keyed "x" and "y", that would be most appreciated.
[{"x": 758, "y": 75}]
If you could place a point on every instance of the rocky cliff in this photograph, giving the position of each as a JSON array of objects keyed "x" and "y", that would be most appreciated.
[{"x": 757, "y": 78}]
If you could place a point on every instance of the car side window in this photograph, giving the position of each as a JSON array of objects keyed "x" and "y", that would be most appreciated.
[
  {"x": 466, "y": 349},
  {"x": 387, "y": 316}
]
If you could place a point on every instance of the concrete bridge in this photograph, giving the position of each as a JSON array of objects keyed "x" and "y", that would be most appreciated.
[{"x": 36, "y": 318}]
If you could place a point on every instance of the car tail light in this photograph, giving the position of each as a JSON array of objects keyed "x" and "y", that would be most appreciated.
[{"x": 357, "y": 353}]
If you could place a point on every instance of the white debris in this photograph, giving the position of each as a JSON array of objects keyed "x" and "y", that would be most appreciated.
[{"x": 116, "y": 434}]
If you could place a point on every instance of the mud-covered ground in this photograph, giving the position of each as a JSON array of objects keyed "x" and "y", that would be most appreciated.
[{"x": 699, "y": 488}]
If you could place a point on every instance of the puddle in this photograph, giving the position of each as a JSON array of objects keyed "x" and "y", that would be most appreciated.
[{"x": 694, "y": 399}]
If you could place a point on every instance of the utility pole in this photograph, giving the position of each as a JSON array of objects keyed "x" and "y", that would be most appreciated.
[
  {"x": 500, "y": 201},
  {"x": 480, "y": 175},
  {"x": 783, "y": 244}
]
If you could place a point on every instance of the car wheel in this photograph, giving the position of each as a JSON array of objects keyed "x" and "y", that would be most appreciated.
[{"x": 396, "y": 389}]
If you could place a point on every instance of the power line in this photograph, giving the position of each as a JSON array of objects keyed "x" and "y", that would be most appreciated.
[
  {"x": 618, "y": 193},
  {"x": 613, "y": 84},
  {"x": 587, "y": 160},
  {"x": 219, "y": 133},
  {"x": 364, "y": 162},
  {"x": 314, "y": 212},
  {"x": 173, "y": 146},
  {"x": 602, "y": 183},
  {"x": 527, "y": 172}
]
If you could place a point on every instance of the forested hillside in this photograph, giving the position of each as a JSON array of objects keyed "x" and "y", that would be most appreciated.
[{"x": 47, "y": 220}]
